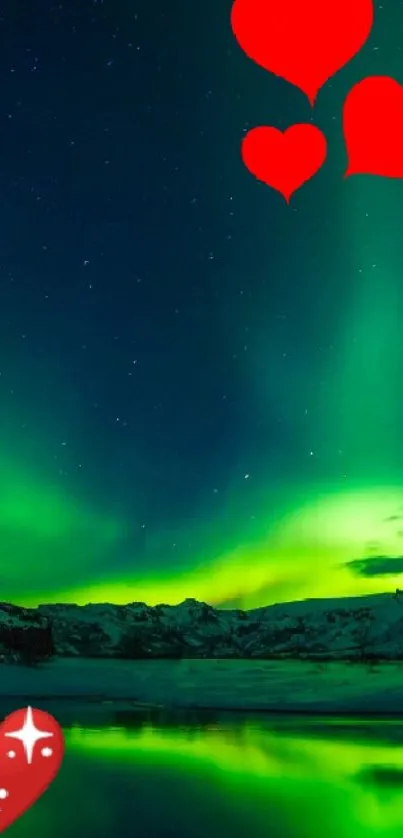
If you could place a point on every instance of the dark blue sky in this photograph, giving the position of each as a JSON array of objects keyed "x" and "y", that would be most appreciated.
[{"x": 176, "y": 344}]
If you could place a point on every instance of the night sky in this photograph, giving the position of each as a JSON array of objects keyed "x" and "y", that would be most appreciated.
[{"x": 200, "y": 387}]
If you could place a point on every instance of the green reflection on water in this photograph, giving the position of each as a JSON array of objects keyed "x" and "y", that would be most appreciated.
[{"x": 225, "y": 778}]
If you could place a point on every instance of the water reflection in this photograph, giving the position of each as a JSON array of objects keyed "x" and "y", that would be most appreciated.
[{"x": 215, "y": 777}]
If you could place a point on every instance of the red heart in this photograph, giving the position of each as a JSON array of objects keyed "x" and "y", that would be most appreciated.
[
  {"x": 31, "y": 752},
  {"x": 373, "y": 127},
  {"x": 303, "y": 41},
  {"x": 284, "y": 160}
]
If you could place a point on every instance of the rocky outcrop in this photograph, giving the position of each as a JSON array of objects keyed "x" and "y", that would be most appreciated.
[
  {"x": 25, "y": 635},
  {"x": 357, "y": 629}
]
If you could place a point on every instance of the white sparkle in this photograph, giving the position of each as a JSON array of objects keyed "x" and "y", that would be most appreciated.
[
  {"x": 11, "y": 754},
  {"x": 3, "y": 794},
  {"x": 46, "y": 752},
  {"x": 29, "y": 735}
]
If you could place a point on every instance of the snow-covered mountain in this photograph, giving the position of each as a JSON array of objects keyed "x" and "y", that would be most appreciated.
[{"x": 361, "y": 628}]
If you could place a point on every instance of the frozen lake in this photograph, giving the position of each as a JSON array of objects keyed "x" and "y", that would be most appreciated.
[{"x": 209, "y": 684}]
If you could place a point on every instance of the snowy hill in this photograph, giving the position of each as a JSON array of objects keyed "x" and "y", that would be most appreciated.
[{"x": 360, "y": 628}]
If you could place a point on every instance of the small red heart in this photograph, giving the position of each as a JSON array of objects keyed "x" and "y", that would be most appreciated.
[
  {"x": 31, "y": 753},
  {"x": 373, "y": 128},
  {"x": 284, "y": 160}
]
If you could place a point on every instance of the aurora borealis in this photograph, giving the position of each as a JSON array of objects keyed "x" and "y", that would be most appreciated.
[{"x": 200, "y": 387}]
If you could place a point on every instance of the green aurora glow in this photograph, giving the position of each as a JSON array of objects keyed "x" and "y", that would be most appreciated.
[
  {"x": 301, "y": 536},
  {"x": 296, "y": 538},
  {"x": 50, "y": 540}
]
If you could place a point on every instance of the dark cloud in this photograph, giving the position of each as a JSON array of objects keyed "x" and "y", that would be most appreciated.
[
  {"x": 383, "y": 777},
  {"x": 377, "y": 566}
]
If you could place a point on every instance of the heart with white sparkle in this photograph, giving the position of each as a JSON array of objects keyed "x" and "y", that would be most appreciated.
[{"x": 31, "y": 753}]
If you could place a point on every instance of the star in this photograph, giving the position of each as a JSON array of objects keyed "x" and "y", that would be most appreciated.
[{"x": 29, "y": 735}]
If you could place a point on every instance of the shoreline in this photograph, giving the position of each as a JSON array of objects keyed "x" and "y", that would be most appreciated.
[{"x": 275, "y": 687}]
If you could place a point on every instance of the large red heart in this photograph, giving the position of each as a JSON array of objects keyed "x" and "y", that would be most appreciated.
[
  {"x": 304, "y": 42},
  {"x": 373, "y": 127},
  {"x": 286, "y": 160},
  {"x": 31, "y": 752}
]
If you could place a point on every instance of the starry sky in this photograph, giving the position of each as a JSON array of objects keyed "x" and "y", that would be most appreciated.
[{"x": 200, "y": 387}]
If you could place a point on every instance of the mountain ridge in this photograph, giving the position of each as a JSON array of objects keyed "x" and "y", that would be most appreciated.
[{"x": 346, "y": 628}]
